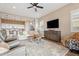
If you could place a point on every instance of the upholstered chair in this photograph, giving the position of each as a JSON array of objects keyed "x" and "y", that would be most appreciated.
[{"x": 71, "y": 41}]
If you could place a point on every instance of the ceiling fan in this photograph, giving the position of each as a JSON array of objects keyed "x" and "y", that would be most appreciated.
[{"x": 35, "y": 5}]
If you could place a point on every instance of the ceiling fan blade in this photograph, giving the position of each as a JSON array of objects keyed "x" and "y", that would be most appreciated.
[
  {"x": 30, "y": 7},
  {"x": 31, "y": 3},
  {"x": 39, "y": 7}
]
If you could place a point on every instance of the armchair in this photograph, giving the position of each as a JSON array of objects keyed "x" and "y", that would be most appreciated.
[{"x": 71, "y": 41}]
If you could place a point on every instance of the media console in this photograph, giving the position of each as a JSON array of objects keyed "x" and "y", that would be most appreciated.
[{"x": 53, "y": 35}]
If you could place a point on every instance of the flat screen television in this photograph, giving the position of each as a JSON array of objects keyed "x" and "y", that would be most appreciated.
[{"x": 53, "y": 23}]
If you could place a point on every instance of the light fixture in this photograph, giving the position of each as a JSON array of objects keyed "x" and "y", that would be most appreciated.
[{"x": 14, "y": 7}]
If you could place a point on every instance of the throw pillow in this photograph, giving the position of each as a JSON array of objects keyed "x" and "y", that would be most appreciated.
[{"x": 0, "y": 38}]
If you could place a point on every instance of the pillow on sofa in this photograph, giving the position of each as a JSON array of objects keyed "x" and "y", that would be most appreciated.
[
  {"x": 1, "y": 40},
  {"x": 3, "y": 34},
  {"x": 76, "y": 36},
  {"x": 1, "y": 37},
  {"x": 10, "y": 38}
]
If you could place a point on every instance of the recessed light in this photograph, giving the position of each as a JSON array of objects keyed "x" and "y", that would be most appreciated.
[{"x": 14, "y": 7}]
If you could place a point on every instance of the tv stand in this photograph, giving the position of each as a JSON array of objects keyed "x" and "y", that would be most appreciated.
[{"x": 53, "y": 35}]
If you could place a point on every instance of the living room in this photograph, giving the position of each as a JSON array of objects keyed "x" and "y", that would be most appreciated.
[{"x": 39, "y": 29}]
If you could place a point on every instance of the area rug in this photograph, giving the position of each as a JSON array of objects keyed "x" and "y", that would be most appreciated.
[
  {"x": 45, "y": 48},
  {"x": 20, "y": 51},
  {"x": 38, "y": 48}
]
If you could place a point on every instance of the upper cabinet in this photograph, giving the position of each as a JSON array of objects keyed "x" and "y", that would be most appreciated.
[{"x": 12, "y": 24}]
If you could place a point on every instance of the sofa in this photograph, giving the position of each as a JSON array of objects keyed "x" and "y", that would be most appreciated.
[
  {"x": 11, "y": 40},
  {"x": 71, "y": 41}
]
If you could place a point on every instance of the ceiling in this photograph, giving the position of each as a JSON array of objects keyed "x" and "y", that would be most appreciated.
[{"x": 21, "y": 9}]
